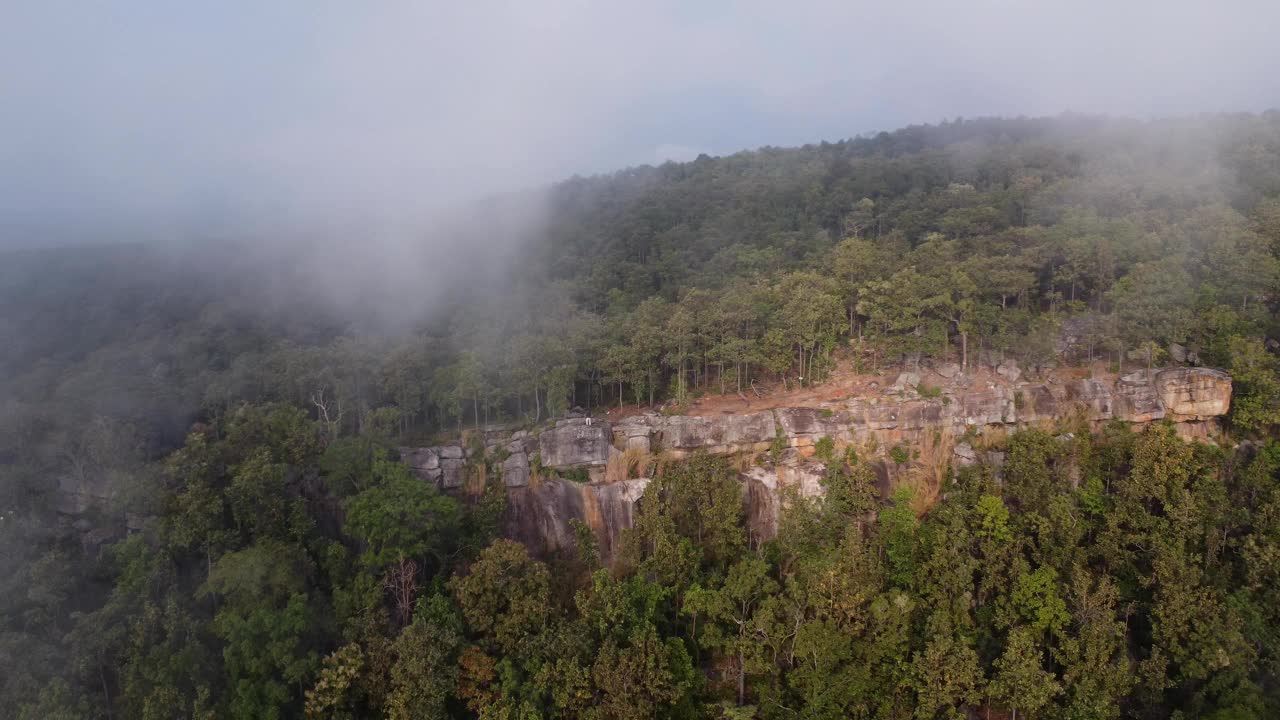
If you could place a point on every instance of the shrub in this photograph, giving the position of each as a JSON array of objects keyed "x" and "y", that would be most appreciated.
[
  {"x": 779, "y": 443},
  {"x": 475, "y": 443},
  {"x": 899, "y": 454},
  {"x": 929, "y": 391},
  {"x": 825, "y": 448},
  {"x": 851, "y": 455},
  {"x": 633, "y": 463}
]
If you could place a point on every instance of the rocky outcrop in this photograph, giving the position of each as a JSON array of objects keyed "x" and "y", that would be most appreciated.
[
  {"x": 1190, "y": 394},
  {"x": 442, "y": 465},
  {"x": 766, "y": 488},
  {"x": 541, "y": 515},
  {"x": 541, "y": 508},
  {"x": 683, "y": 435},
  {"x": 576, "y": 442}
]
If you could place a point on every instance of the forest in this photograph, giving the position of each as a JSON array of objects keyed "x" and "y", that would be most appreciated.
[{"x": 255, "y": 550}]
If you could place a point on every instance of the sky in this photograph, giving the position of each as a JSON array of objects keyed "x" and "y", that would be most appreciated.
[{"x": 120, "y": 117}]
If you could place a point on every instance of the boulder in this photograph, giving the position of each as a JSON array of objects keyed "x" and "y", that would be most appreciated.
[
  {"x": 948, "y": 370},
  {"x": 636, "y": 431},
  {"x": 423, "y": 462},
  {"x": 420, "y": 458},
  {"x": 633, "y": 437},
  {"x": 905, "y": 381},
  {"x": 576, "y": 442},
  {"x": 965, "y": 455},
  {"x": 1177, "y": 353}
]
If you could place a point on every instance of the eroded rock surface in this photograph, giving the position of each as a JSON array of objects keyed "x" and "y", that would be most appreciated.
[
  {"x": 540, "y": 515},
  {"x": 1193, "y": 393},
  {"x": 576, "y": 442},
  {"x": 683, "y": 435},
  {"x": 540, "y": 509}
]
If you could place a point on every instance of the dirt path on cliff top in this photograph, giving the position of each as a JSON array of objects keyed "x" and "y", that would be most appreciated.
[{"x": 844, "y": 384}]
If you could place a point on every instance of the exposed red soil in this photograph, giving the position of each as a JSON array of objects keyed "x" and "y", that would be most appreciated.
[{"x": 844, "y": 384}]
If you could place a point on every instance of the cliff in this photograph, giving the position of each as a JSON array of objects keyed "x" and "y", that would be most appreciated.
[{"x": 776, "y": 444}]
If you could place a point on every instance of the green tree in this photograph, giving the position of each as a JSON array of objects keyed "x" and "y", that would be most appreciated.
[
  {"x": 644, "y": 678},
  {"x": 1255, "y": 386},
  {"x": 1153, "y": 302},
  {"x": 399, "y": 516},
  {"x": 730, "y": 615},
  {"x": 426, "y": 671},
  {"x": 696, "y": 504},
  {"x": 505, "y": 597},
  {"x": 1020, "y": 681},
  {"x": 266, "y": 623},
  {"x": 945, "y": 675}
]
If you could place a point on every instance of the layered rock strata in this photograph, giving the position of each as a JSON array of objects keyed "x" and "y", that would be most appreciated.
[{"x": 542, "y": 503}]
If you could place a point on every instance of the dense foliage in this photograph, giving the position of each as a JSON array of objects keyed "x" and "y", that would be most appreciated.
[
  {"x": 1124, "y": 575},
  {"x": 663, "y": 282},
  {"x": 278, "y": 563}
]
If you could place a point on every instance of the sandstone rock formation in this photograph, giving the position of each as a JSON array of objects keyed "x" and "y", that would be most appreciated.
[
  {"x": 540, "y": 508},
  {"x": 539, "y": 515},
  {"x": 576, "y": 442},
  {"x": 1190, "y": 394}
]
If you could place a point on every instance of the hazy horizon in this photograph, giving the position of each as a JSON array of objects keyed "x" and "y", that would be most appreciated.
[{"x": 140, "y": 117}]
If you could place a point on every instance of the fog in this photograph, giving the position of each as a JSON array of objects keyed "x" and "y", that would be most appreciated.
[{"x": 157, "y": 120}]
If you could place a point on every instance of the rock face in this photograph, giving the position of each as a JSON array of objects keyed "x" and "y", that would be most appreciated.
[
  {"x": 540, "y": 509},
  {"x": 683, "y": 436},
  {"x": 765, "y": 488},
  {"x": 576, "y": 442},
  {"x": 1136, "y": 399},
  {"x": 425, "y": 463},
  {"x": 1190, "y": 394},
  {"x": 515, "y": 469},
  {"x": 540, "y": 515}
]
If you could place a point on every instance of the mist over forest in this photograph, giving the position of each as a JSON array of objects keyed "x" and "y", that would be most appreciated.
[{"x": 489, "y": 362}]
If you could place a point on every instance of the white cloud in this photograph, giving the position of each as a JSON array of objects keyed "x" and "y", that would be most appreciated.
[{"x": 390, "y": 108}]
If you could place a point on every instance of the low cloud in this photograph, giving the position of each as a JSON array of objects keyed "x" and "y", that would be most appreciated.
[{"x": 157, "y": 119}]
